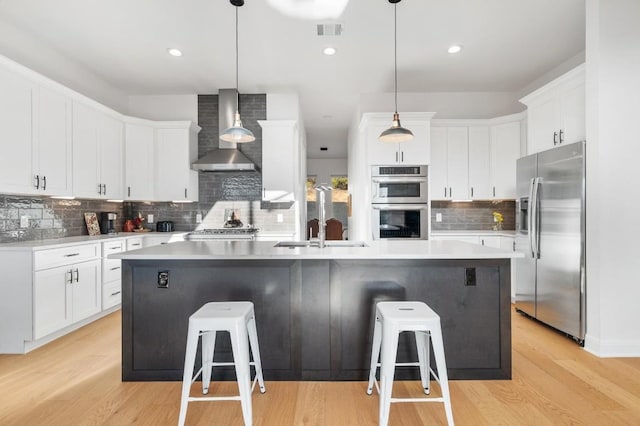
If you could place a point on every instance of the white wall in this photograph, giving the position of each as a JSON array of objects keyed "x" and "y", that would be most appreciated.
[
  {"x": 446, "y": 104},
  {"x": 324, "y": 168},
  {"x": 164, "y": 107},
  {"x": 36, "y": 55},
  {"x": 613, "y": 149}
]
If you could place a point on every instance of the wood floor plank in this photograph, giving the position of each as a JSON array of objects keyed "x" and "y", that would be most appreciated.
[{"x": 75, "y": 380}]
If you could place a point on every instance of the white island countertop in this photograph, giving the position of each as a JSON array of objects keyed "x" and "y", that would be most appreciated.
[{"x": 257, "y": 250}]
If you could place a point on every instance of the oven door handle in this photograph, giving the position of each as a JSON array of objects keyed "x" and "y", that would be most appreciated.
[
  {"x": 399, "y": 180},
  {"x": 397, "y": 207}
]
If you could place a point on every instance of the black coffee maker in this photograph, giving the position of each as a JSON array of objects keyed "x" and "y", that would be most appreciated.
[{"x": 107, "y": 222}]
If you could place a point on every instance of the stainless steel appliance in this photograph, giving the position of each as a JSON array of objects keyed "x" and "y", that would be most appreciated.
[
  {"x": 229, "y": 234},
  {"x": 164, "y": 226},
  {"x": 550, "y": 231},
  {"x": 399, "y": 202},
  {"x": 107, "y": 222},
  {"x": 399, "y": 184}
]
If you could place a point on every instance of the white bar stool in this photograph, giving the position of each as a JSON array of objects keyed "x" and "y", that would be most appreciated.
[
  {"x": 392, "y": 318},
  {"x": 238, "y": 319}
]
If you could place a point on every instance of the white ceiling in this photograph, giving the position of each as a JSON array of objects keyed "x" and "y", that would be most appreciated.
[{"x": 507, "y": 45}]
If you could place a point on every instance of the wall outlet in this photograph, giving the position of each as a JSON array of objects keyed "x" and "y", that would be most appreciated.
[
  {"x": 149, "y": 218},
  {"x": 24, "y": 221},
  {"x": 279, "y": 218},
  {"x": 198, "y": 217},
  {"x": 438, "y": 217}
]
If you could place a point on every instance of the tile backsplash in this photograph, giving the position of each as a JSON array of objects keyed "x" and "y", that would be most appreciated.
[
  {"x": 48, "y": 218},
  {"x": 472, "y": 216}
]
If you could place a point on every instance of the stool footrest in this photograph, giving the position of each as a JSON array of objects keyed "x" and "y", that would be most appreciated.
[
  {"x": 214, "y": 398},
  {"x": 424, "y": 399}
]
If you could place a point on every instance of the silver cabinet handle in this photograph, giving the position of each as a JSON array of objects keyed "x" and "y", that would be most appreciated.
[
  {"x": 185, "y": 193},
  {"x": 555, "y": 138},
  {"x": 100, "y": 188},
  {"x": 396, "y": 156},
  {"x": 105, "y": 189},
  {"x": 514, "y": 246},
  {"x": 77, "y": 275},
  {"x": 116, "y": 293},
  {"x": 72, "y": 254},
  {"x": 472, "y": 191},
  {"x": 449, "y": 192},
  {"x": 445, "y": 192},
  {"x": 561, "y": 135},
  {"x": 402, "y": 156},
  {"x": 115, "y": 268},
  {"x": 70, "y": 272},
  {"x": 44, "y": 183},
  {"x": 37, "y": 181},
  {"x": 494, "y": 191},
  {"x": 128, "y": 191},
  {"x": 135, "y": 244}
]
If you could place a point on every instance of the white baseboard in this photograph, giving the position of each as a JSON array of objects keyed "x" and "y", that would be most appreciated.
[{"x": 612, "y": 348}]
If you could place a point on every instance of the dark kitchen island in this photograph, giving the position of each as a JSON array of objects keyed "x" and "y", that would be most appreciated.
[{"x": 315, "y": 307}]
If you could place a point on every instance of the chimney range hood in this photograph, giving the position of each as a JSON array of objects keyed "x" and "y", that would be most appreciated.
[{"x": 227, "y": 158}]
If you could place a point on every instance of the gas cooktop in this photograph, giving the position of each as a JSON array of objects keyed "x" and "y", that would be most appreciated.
[{"x": 223, "y": 233}]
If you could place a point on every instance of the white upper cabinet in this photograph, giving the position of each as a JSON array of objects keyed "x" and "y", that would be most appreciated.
[
  {"x": 176, "y": 147},
  {"x": 138, "y": 158},
  {"x": 449, "y": 174},
  {"x": 280, "y": 159},
  {"x": 480, "y": 187},
  {"x": 474, "y": 159},
  {"x": 505, "y": 150},
  {"x": 15, "y": 133},
  {"x": 35, "y": 137},
  {"x": 52, "y": 139},
  {"x": 97, "y": 154},
  {"x": 414, "y": 152},
  {"x": 556, "y": 112}
]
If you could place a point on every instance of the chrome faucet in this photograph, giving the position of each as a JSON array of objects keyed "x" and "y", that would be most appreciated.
[{"x": 321, "y": 191}]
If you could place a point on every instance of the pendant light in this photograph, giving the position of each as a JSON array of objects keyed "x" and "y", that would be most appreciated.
[
  {"x": 395, "y": 133},
  {"x": 237, "y": 133}
]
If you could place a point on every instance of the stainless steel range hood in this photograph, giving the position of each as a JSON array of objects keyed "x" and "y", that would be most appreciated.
[{"x": 227, "y": 158}]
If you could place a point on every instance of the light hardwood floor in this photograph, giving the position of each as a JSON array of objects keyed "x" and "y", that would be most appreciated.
[{"x": 76, "y": 381}]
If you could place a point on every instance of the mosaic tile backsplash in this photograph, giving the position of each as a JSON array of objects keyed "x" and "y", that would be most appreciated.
[{"x": 472, "y": 216}]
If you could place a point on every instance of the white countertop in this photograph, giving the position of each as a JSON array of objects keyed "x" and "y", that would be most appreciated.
[
  {"x": 82, "y": 239},
  {"x": 255, "y": 250},
  {"x": 502, "y": 233}
]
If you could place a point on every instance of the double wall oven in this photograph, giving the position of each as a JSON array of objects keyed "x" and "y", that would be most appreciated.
[{"x": 400, "y": 202}]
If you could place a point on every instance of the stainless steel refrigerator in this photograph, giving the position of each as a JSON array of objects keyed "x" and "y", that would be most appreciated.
[{"x": 550, "y": 231}]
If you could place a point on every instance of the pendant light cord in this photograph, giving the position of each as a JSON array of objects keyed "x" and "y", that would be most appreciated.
[
  {"x": 395, "y": 53},
  {"x": 237, "y": 91}
]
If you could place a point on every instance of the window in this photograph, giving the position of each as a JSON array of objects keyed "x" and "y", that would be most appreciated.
[
  {"x": 311, "y": 183},
  {"x": 340, "y": 185}
]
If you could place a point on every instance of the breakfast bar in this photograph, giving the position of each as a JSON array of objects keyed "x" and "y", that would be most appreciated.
[{"x": 315, "y": 306}]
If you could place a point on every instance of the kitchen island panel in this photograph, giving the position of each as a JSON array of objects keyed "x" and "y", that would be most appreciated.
[{"x": 315, "y": 317}]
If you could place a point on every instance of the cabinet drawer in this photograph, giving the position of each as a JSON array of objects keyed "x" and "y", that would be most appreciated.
[
  {"x": 111, "y": 270},
  {"x": 134, "y": 243},
  {"x": 111, "y": 294},
  {"x": 44, "y": 259},
  {"x": 112, "y": 247}
]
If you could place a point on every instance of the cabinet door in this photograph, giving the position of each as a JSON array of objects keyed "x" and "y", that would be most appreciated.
[
  {"x": 417, "y": 151},
  {"x": 438, "y": 169},
  {"x": 505, "y": 151},
  {"x": 173, "y": 165},
  {"x": 51, "y": 300},
  {"x": 86, "y": 290},
  {"x": 279, "y": 155},
  {"x": 16, "y": 169},
  {"x": 543, "y": 125},
  {"x": 572, "y": 106},
  {"x": 85, "y": 152},
  {"x": 53, "y": 154},
  {"x": 138, "y": 156},
  {"x": 110, "y": 161},
  {"x": 380, "y": 153},
  {"x": 479, "y": 163},
  {"x": 458, "y": 162}
]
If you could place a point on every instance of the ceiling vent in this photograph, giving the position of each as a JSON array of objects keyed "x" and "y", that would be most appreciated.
[{"x": 329, "y": 29}]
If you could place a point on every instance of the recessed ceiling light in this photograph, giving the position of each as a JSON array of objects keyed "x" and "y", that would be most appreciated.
[
  {"x": 329, "y": 51},
  {"x": 174, "y": 52},
  {"x": 456, "y": 48}
]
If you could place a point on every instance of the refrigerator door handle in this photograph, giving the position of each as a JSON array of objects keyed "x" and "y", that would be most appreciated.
[
  {"x": 536, "y": 219},
  {"x": 530, "y": 218}
]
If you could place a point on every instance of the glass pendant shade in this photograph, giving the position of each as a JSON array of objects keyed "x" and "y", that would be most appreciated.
[
  {"x": 237, "y": 133},
  {"x": 396, "y": 133}
]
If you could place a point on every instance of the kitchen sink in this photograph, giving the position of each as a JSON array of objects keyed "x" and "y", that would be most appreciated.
[{"x": 330, "y": 243}]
